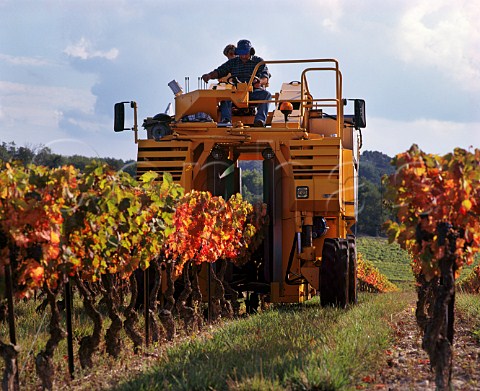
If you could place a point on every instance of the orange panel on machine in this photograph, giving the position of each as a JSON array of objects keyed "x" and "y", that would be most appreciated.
[
  {"x": 348, "y": 183},
  {"x": 287, "y": 293},
  {"x": 325, "y": 126}
]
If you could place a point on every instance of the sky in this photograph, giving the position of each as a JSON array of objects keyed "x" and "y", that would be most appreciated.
[{"x": 64, "y": 64}]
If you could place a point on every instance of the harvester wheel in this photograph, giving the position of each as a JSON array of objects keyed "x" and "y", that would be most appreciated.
[
  {"x": 327, "y": 273},
  {"x": 334, "y": 273},
  {"x": 352, "y": 269}
]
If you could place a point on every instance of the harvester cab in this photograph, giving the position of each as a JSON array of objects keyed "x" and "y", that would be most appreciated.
[{"x": 309, "y": 151}]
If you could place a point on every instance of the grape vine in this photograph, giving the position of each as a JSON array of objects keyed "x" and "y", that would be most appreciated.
[
  {"x": 438, "y": 210},
  {"x": 96, "y": 228},
  {"x": 370, "y": 279}
]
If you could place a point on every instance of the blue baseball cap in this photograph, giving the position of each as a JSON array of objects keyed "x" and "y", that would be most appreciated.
[{"x": 244, "y": 46}]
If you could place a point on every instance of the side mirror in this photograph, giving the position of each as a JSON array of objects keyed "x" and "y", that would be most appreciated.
[
  {"x": 359, "y": 117},
  {"x": 119, "y": 116},
  {"x": 119, "y": 121}
]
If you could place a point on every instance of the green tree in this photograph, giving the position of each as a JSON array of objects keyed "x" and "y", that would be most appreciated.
[
  {"x": 43, "y": 156},
  {"x": 252, "y": 185},
  {"x": 370, "y": 219},
  {"x": 374, "y": 166}
]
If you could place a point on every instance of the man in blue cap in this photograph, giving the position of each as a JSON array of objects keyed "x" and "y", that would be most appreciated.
[{"x": 241, "y": 67}]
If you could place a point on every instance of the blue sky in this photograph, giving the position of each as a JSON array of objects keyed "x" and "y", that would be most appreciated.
[{"x": 63, "y": 64}]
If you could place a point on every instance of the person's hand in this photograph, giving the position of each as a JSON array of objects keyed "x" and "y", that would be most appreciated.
[
  {"x": 206, "y": 77},
  {"x": 259, "y": 83}
]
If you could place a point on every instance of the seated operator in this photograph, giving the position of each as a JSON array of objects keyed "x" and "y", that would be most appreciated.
[{"x": 242, "y": 67}]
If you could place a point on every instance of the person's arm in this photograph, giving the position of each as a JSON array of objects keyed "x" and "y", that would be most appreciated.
[
  {"x": 209, "y": 76},
  {"x": 222, "y": 71},
  {"x": 263, "y": 75}
]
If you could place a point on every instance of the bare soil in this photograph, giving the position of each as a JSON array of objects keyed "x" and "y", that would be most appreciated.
[{"x": 407, "y": 366}]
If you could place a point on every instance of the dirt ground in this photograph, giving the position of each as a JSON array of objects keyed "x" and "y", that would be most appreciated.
[{"x": 407, "y": 366}]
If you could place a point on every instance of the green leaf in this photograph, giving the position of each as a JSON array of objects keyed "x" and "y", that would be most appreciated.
[{"x": 149, "y": 176}]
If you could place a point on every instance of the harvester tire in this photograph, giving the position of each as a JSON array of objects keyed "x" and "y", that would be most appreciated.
[
  {"x": 327, "y": 273},
  {"x": 334, "y": 273},
  {"x": 352, "y": 269}
]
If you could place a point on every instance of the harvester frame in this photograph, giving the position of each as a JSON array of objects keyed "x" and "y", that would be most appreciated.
[{"x": 310, "y": 171}]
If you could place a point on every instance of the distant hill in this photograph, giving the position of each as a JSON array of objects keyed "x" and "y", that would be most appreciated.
[
  {"x": 371, "y": 211},
  {"x": 373, "y": 165}
]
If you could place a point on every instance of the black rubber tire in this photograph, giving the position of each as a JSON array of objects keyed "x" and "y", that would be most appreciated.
[
  {"x": 352, "y": 269},
  {"x": 334, "y": 273},
  {"x": 341, "y": 268},
  {"x": 327, "y": 273}
]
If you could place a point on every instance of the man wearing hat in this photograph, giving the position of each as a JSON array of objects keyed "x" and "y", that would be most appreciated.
[{"x": 242, "y": 67}]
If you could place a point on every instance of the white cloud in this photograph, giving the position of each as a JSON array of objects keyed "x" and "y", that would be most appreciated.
[
  {"x": 328, "y": 13},
  {"x": 83, "y": 50},
  {"x": 20, "y": 60},
  {"x": 60, "y": 118},
  {"x": 444, "y": 35},
  {"x": 333, "y": 13},
  {"x": 31, "y": 114},
  {"x": 432, "y": 136},
  {"x": 38, "y": 105}
]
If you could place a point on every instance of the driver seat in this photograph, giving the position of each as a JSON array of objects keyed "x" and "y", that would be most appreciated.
[{"x": 245, "y": 115}]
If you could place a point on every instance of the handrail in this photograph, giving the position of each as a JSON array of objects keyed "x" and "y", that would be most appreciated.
[
  {"x": 304, "y": 90},
  {"x": 338, "y": 92},
  {"x": 320, "y": 60}
]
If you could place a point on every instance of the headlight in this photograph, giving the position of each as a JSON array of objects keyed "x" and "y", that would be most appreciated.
[
  {"x": 302, "y": 192},
  {"x": 268, "y": 153},
  {"x": 218, "y": 153}
]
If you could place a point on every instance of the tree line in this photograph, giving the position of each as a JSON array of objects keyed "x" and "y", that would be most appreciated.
[{"x": 43, "y": 156}]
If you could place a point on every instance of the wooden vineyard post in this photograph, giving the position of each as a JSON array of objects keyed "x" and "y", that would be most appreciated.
[
  {"x": 13, "y": 353},
  {"x": 146, "y": 305},
  {"x": 68, "y": 309},
  {"x": 209, "y": 293}
]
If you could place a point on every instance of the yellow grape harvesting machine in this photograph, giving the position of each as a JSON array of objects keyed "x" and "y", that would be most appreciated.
[{"x": 309, "y": 151}]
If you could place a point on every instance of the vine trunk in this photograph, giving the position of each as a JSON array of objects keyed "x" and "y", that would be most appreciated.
[
  {"x": 44, "y": 359},
  {"x": 89, "y": 344},
  {"x": 131, "y": 317}
]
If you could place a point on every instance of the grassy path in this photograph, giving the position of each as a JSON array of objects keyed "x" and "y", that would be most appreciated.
[
  {"x": 375, "y": 345},
  {"x": 290, "y": 347}
]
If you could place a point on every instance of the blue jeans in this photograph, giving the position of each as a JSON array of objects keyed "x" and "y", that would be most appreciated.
[{"x": 262, "y": 108}]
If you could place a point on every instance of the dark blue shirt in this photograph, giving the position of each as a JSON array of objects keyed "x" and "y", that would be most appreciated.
[{"x": 242, "y": 71}]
